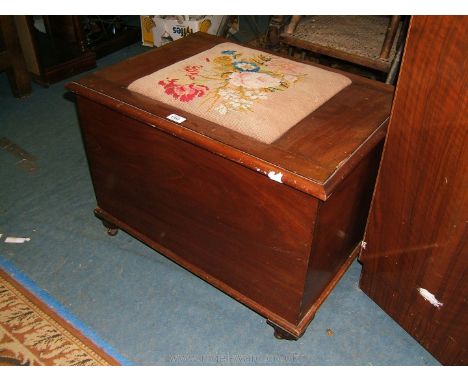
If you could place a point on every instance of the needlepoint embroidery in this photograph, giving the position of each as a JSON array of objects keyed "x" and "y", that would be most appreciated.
[
  {"x": 254, "y": 93},
  {"x": 236, "y": 81}
]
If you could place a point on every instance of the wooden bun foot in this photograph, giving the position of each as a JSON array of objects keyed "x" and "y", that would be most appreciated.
[
  {"x": 282, "y": 334},
  {"x": 112, "y": 231}
]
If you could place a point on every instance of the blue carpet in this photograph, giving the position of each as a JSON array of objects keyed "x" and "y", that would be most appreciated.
[{"x": 150, "y": 310}]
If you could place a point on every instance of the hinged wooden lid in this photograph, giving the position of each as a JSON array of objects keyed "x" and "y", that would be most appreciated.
[{"x": 313, "y": 156}]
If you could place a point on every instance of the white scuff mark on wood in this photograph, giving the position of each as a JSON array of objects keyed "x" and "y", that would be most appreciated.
[
  {"x": 428, "y": 296},
  {"x": 17, "y": 240},
  {"x": 275, "y": 176},
  {"x": 363, "y": 244}
]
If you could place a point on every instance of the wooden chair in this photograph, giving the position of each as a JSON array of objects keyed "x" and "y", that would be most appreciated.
[
  {"x": 11, "y": 58},
  {"x": 369, "y": 41}
]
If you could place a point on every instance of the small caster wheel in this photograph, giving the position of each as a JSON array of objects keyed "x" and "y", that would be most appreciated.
[{"x": 112, "y": 231}]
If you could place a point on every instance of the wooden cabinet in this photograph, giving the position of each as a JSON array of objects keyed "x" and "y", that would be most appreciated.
[
  {"x": 416, "y": 256},
  {"x": 54, "y": 47},
  {"x": 57, "y": 47},
  {"x": 11, "y": 58},
  {"x": 201, "y": 193}
]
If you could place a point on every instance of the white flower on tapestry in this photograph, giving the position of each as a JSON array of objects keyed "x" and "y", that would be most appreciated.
[
  {"x": 255, "y": 94},
  {"x": 253, "y": 80},
  {"x": 234, "y": 99},
  {"x": 229, "y": 94},
  {"x": 231, "y": 82},
  {"x": 221, "y": 109}
]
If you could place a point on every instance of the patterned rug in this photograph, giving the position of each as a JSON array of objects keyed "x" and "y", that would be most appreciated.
[{"x": 31, "y": 333}]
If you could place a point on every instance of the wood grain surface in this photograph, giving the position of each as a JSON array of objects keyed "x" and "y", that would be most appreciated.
[{"x": 417, "y": 232}]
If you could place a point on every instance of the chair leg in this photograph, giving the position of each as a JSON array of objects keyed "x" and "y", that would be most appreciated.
[
  {"x": 389, "y": 37},
  {"x": 395, "y": 66},
  {"x": 392, "y": 74},
  {"x": 273, "y": 34},
  {"x": 292, "y": 24}
]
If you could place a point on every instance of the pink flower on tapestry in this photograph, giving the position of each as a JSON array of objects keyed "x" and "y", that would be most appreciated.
[
  {"x": 253, "y": 80},
  {"x": 184, "y": 93},
  {"x": 192, "y": 71}
]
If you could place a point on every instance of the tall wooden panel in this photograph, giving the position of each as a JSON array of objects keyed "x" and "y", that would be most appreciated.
[{"x": 415, "y": 260}]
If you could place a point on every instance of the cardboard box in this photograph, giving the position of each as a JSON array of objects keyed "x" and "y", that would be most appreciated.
[
  {"x": 147, "y": 25},
  {"x": 170, "y": 28}
]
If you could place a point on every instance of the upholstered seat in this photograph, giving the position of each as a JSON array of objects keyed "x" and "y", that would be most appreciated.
[{"x": 254, "y": 93}]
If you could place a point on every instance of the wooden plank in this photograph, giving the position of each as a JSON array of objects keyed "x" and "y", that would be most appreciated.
[{"x": 416, "y": 235}]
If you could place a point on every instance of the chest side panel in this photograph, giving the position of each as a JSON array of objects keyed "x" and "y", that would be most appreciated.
[{"x": 239, "y": 226}]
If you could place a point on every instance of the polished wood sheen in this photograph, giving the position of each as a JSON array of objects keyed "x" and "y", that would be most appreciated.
[
  {"x": 199, "y": 193},
  {"x": 416, "y": 235}
]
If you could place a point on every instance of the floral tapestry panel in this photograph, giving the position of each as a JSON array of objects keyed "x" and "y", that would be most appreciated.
[{"x": 254, "y": 93}]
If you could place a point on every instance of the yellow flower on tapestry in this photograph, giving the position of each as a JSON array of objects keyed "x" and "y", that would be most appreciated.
[{"x": 231, "y": 82}]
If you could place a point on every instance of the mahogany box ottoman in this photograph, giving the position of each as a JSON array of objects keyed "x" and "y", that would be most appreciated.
[{"x": 253, "y": 171}]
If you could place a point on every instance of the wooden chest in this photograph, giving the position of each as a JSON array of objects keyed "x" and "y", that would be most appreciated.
[{"x": 273, "y": 225}]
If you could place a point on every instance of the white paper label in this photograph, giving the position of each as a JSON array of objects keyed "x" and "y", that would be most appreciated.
[
  {"x": 17, "y": 240},
  {"x": 176, "y": 118}
]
